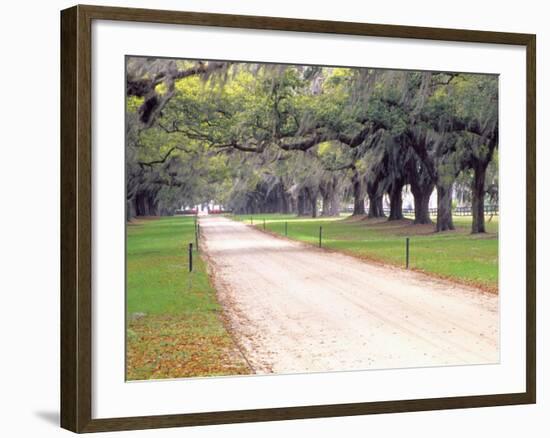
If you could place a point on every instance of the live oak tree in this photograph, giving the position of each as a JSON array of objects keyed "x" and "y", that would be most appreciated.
[
  {"x": 153, "y": 81},
  {"x": 458, "y": 131},
  {"x": 477, "y": 117},
  {"x": 276, "y": 138}
]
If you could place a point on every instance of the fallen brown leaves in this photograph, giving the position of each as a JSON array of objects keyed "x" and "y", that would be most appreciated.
[{"x": 173, "y": 346}]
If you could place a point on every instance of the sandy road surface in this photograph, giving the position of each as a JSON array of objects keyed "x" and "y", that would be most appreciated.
[{"x": 295, "y": 308}]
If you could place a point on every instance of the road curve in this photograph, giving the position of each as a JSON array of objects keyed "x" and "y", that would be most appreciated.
[{"x": 295, "y": 308}]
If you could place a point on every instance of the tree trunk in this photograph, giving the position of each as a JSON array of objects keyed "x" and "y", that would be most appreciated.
[
  {"x": 335, "y": 203},
  {"x": 478, "y": 199},
  {"x": 421, "y": 194},
  {"x": 422, "y": 207},
  {"x": 376, "y": 207},
  {"x": 358, "y": 195},
  {"x": 151, "y": 203},
  {"x": 138, "y": 202},
  {"x": 313, "y": 201},
  {"x": 146, "y": 204},
  {"x": 286, "y": 206},
  {"x": 301, "y": 204},
  {"x": 312, "y": 198},
  {"x": 444, "y": 208},
  {"x": 284, "y": 199},
  {"x": 292, "y": 204},
  {"x": 380, "y": 206},
  {"x": 422, "y": 186},
  {"x": 396, "y": 200},
  {"x": 331, "y": 200},
  {"x": 130, "y": 208},
  {"x": 325, "y": 196}
]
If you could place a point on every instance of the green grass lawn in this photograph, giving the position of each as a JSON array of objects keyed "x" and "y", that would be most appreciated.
[
  {"x": 174, "y": 320},
  {"x": 458, "y": 255}
]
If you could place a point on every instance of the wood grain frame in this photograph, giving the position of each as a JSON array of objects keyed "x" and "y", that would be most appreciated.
[{"x": 76, "y": 218}]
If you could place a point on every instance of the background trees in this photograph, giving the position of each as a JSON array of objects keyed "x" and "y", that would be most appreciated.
[{"x": 308, "y": 140}]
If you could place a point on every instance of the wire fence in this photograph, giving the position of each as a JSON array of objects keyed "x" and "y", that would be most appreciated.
[
  {"x": 317, "y": 240},
  {"x": 458, "y": 211}
]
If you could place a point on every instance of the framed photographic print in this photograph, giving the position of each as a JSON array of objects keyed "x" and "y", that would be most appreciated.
[{"x": 268, "y": 218}]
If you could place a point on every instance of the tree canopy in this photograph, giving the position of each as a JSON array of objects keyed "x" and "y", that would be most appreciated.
[{"x": 291, "y": 138}]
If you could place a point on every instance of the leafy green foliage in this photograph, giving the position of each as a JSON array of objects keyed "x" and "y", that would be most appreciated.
[{"x": 255, "y": 134}]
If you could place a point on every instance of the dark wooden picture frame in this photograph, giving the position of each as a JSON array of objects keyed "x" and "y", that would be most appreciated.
[{"x": 76, "y": 218}]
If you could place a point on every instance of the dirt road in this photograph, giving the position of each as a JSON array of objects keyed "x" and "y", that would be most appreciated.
[{"x": 296, "y": 308}]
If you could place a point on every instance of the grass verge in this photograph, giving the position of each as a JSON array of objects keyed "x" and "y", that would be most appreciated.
[
  {"x": 456, "y": 255},
  {"x": 174, "y": 325}
]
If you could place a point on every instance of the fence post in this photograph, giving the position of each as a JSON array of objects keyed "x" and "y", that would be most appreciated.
[
  {"x": 286, "y": 228},
  {"x": 320, "y": 236},
  {"x": 264, "y": 223},
  {"x": 251, "y": 221},
  {"x": 190, "y": 257},
  {"x": 407, "y": 252}
]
